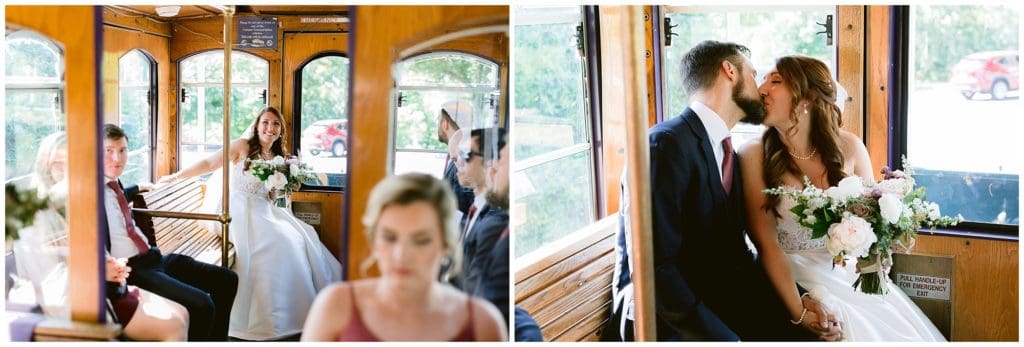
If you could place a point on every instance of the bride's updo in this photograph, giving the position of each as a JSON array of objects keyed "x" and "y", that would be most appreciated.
[{"x": 809, "y": 80}]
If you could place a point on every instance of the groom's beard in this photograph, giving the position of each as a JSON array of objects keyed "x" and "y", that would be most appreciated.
[{"x": 753, "y": 108}]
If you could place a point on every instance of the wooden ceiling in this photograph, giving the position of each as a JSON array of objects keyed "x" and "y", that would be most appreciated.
[{"x": 203, "y": 11}]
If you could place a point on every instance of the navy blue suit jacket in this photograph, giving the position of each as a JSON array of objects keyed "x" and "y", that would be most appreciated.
[
  {"x": 708, "y": 284},
  {"x": 463, "y": 195},
  {"x": 476, "y": 249}
]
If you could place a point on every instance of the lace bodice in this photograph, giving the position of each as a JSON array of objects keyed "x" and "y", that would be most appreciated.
[
  {"x": 791, "y": 235},
  {"x": 242, "y": 181}
]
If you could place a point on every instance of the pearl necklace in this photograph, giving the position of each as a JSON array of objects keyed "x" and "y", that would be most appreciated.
[{"x": 809, "y": 156}]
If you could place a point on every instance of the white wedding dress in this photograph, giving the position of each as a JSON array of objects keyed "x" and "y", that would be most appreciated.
[
  {"x": 280, "y": 261},
  {"x": 864, "y": 317}
]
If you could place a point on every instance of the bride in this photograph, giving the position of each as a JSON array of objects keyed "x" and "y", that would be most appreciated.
[
  {"x": 281, "y": 263},
  {"x": 804, "y": 139}
]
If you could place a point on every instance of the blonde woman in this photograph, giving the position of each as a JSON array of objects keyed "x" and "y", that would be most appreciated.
[{"x": 409, "y": 222}]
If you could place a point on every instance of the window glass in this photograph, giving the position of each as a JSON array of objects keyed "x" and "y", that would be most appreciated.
[
  {"x": 201, "y": 108},
  {"x": 427, "y": 82},
  {"x": 34, "y": 73},
  {"x": 964, "y": 109},
  {"x": 552, "y": 171},
  {"x": 789, "y": 31},
  {"x": 324, "y": 100},
  {"x": 136, "y": 88}
]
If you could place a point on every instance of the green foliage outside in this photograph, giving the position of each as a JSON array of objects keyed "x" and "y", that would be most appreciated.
[
  {"x": 768, "y": 34},
  {"x": 946, "y": 34},
  {"x": 467, "y": 78},
  {"x": 549, "y": 89},
  {"x": 245, "y": 101},
  {"x": 562, "y": 201},
  {"x": 325, "y": 90},
  {"x": 30, "y": 114}
]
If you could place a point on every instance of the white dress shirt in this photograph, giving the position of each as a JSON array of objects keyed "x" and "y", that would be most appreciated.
[
  {"x": 478, "y": 201},
  {"x": 717, "y": 131},
  {"x": 121, "y": 246}
]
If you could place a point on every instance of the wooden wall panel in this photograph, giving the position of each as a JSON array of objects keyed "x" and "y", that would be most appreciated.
[
  {"x": 850, "y": 46},
  {"x": 81, "y": 96},
  {"x": 116, "y": 43},
  {"x": 985, "y": 285},
  {"x": 876, "y": 76},
  {"x": 330, "y": 217},
  {"x": 376, "y": 40}
]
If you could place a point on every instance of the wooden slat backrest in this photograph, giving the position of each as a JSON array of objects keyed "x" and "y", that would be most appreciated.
[
  {"x": 568, "y": 292},
  {"x": 185, "y": 236}
]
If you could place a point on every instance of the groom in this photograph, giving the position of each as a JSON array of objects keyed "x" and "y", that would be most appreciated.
[
  {"x": 207, "y": 291},
  {"x": 708, "y": 284}
]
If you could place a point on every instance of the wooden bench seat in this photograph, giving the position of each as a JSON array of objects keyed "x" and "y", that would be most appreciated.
[
  {"x": 183, "y": 236},
  {"x": 568, "y": 291}
]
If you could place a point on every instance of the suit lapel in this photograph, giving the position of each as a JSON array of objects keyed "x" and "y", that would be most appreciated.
[{"x": 711, "y": 168}]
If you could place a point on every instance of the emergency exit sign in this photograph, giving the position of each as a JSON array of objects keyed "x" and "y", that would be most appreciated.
[{"x": 925, "y": 287}]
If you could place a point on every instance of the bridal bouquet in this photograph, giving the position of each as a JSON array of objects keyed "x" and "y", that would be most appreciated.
[
  {"x": 866, "y": 221},
  {"x": 281, "y": 176}
]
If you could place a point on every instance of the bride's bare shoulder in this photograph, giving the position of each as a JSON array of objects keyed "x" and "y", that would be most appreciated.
[{"x": 849, "y": 142}]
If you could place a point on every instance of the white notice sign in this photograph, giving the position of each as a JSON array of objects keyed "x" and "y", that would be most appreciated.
[{"x": 921, "y": 286}]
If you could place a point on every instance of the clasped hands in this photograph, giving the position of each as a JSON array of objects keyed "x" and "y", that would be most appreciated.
[
  {"x": 118, "y": 270},
  {"x": 819, "y": 321}
]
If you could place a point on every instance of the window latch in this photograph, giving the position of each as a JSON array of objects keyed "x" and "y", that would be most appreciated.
[
  {"x": 668, "y": 31},
  {"x": 401, "y": 99},
  {"x": 263, "y": 96},
  {"x": 184, "y": 95},
  {"x": 828, "y": 29},
  {"x": 579, "y": 39}
]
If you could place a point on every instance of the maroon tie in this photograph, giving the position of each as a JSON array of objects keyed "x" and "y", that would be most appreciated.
[
  {"x": 128, "y": 223},
  {"x": 727, "y": 165},
  {"x": 469, "y": 218}
]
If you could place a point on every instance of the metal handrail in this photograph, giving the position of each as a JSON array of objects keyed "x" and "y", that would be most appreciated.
[{"x": 180, "y": 214}]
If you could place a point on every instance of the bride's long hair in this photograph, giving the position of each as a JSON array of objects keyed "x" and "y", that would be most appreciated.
[
  {"x": 809, "y": 80},
  {"x": 254, "y": 140}
]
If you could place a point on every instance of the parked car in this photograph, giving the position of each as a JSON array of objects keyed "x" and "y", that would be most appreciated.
[
  {"x": 994, "y": 72},
  {"x": 330, "y": 136}
]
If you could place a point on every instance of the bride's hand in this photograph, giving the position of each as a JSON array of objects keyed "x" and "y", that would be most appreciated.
[
  {"x": 819, "y": 310},
  {"x": 832, "y": 332},
  {"x": 168, "y": 179}
]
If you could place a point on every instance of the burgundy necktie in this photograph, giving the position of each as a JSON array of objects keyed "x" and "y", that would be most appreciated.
[
  {"x": 727, "y": 165},
  {"x": 469, "y": 218},
  {"x": 128, "y": 223}
]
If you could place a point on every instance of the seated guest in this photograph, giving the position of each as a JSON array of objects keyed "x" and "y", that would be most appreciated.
[
  {"x": 485, "y": 253},
  {"x": 454, "y": 116},
  {"x": 410, "y": 228},
  {"x": 143, "y": 315},
  {"x": 527, "y": 329},
  {"x": 207, "y": 291}
]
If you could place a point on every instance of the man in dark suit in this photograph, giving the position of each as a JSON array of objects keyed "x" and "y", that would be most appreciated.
[
  {"x": 708, "y": 283},
  {"x": 486, "y": 245},
  {"x": 455, "y": 115},
  {"x": 207, "y": 291}
]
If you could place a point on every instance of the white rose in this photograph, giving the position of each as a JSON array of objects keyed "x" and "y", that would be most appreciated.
[
  {"x": 853, "y": 235},
  {"x": 891, "y": 208},
  {"x": 933, "y": 211},
  {"x": 811, "y": 219},
  {"x": 849, "y": 187},
  {"x": 293, "y": 170},
  {"x": 276, "y": 181},
  {"x": 893, "y": 186},
  {"x": 277, "y": 161}
]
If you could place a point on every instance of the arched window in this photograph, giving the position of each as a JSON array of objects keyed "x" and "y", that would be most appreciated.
[
  {"x": 136, "y": 100},
  {"x": 425, "y": 83},
  {"x": 201, "y": 100},
  {"x": 34, "y": 82},
  {"x": 322, "y": 116}
]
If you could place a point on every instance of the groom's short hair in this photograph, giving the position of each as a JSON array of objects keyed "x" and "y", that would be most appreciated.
[
  {"x": 700, "y": 64},
  {"x": 113, "y": 132}
]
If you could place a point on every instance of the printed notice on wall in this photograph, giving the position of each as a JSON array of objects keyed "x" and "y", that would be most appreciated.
[
  {"x": 311, "y": 218},
  {"x": 926, "y": 287},
  {"x": 257, "y": 33}
]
